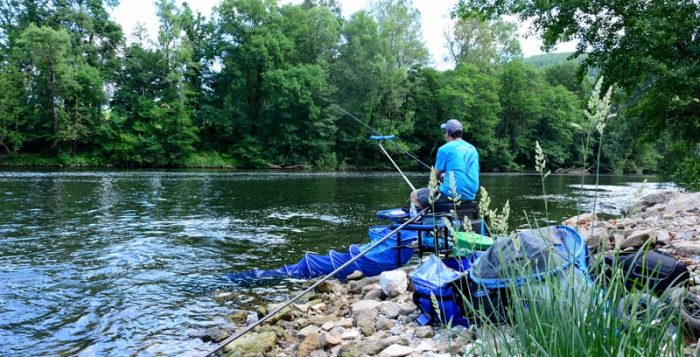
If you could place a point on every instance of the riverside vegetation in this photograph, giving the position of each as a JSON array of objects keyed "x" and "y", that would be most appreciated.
[{"x": 256, "y": 86}]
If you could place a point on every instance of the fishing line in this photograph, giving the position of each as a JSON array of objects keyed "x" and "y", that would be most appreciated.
[{"x": 376, "y": 132}]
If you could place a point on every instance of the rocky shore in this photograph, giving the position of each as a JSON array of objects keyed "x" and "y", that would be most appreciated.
[{"x": 370, "y": 316}]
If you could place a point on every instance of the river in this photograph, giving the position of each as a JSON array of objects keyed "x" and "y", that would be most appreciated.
[{"x": 126, "y": 262}]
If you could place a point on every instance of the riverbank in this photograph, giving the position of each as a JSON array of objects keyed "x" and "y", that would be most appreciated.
[
  {"x": 215, "y": 160},
  {"x": 364, "y": 317}
]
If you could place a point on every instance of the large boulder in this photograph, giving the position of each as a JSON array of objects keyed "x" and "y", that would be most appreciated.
[{"x": 393, "y": 283}]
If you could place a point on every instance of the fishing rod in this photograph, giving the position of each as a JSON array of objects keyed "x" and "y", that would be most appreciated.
[
  {"x": 313, "y": 286},
  {"x": 380, "y": 139},
  {"x": 377, "y": 133}
]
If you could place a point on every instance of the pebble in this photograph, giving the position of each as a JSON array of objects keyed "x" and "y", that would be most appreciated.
[
  {"x": 424, "y": 331},
  {"x": 350, "y": 334},
  {"x": 345, "y": 323},
  {"x": 396, "y": 351},
  {"x": 390, "y": 309}
]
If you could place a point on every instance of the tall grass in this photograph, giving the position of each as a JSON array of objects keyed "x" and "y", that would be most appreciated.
[{"x": 576, "y": 312}]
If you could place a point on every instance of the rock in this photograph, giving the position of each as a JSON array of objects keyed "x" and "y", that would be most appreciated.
[
  {"x": 350, "y": 334},
  {"x": 364, "y": 305},
  {"x": 364, "y": 319},
  {"x": 253, "y": 343},
  {"x": 356, "y": 275},
  {"x": 345, "y": 323},
  {"x": 301, "y": 307},
  {"x": 357, "y": 285},
  {"x": 238, "y": 316},
  {"x": 393, "y": 283},
  {"x": 637, "y": 238},
  {"x": 686, "y": 247},
  {"x": 287, "y": 325},
  {"x": 396, "y": 330},
  {"x": 396, "y": 340},
  {"x": 284, "y": 314},
  {"x": 369, "y": 287},
  {"x": 252, "y": 318},
  {"x": 352, "y": 349},
  {"x": 424, "y": 331},
  {"x": 217, "y": 334},
  {"x": 662, "y": 236},
  {"x": 302, "y": 322},
  {"x": 581, "y": 220},
  {"x": 374, "y": 295},
  {"x": 372, "y": 345},
  {"x": 328, "y": 325},
  {"x": 319, "y": 307},
  {"x": 687, "y": 202},
  {"x": 383, "y": 324},
  {"x": 396, "y": 351},
  {"x": 289, "y": 336},
  {"x": 407, "y": 309},
  {"x": 330, "y": 287},
  {"x": 223, "y": 296},
  {"x": 319, "y": 320},
  {"x": 308, "y": 345},
  {"x": 197, "y": 333},
  {"x": 390, "y": 309},
  {"x": 308, "y": 330},
  {"x": 318, "y": 353},
  {"x": 425, "y": 346},
  {"x": 656, "y": 198},
  {"x": 596, "y": 233},
  {"x": 329, "y": 339}
]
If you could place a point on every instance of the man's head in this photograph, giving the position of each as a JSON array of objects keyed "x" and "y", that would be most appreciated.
[{"x": 453, "y": 129}]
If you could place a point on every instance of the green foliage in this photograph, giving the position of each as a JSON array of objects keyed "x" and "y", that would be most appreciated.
[
  {"x": 548, "y": 59},
  {"x": 646, "y": 48},
  {"x": 260, "y": 84},
  {"x": 483, "y": 42}
]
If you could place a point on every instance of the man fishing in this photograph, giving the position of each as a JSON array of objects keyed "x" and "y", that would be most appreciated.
[{"x": 458, "y": 157}]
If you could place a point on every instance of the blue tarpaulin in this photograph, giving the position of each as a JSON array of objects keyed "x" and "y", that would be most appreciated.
[{"x": 312, "y": 265}]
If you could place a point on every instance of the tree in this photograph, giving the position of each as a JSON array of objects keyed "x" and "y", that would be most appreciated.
[
  {"x": 13, "y": 112},
  {"x": 482, "y": 42},
  {"x": 471, "y": 97},
  {"x": 151, "y": 118},
  {"x": 648, "y": 48}
]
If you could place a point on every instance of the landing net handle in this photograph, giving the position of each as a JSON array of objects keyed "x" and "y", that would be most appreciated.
[{"x": 380, "y": 139}]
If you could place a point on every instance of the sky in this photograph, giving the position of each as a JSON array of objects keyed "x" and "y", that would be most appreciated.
[{"x": 435, "y": 15}]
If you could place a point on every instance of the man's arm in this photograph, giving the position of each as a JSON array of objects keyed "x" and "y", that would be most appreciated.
[{"x": 440, "y": 163}]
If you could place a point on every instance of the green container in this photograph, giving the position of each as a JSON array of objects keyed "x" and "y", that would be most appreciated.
[{"x": 468, "y": 242}]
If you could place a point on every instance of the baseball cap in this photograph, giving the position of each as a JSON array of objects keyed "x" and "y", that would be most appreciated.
[{"x": 451, "y": 126}]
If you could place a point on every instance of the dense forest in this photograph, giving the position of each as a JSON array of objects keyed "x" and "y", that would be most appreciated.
[{"x": 261, "y": 85}]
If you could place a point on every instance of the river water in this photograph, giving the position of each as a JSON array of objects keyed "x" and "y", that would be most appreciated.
[{"x": 126, "y": 262}]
